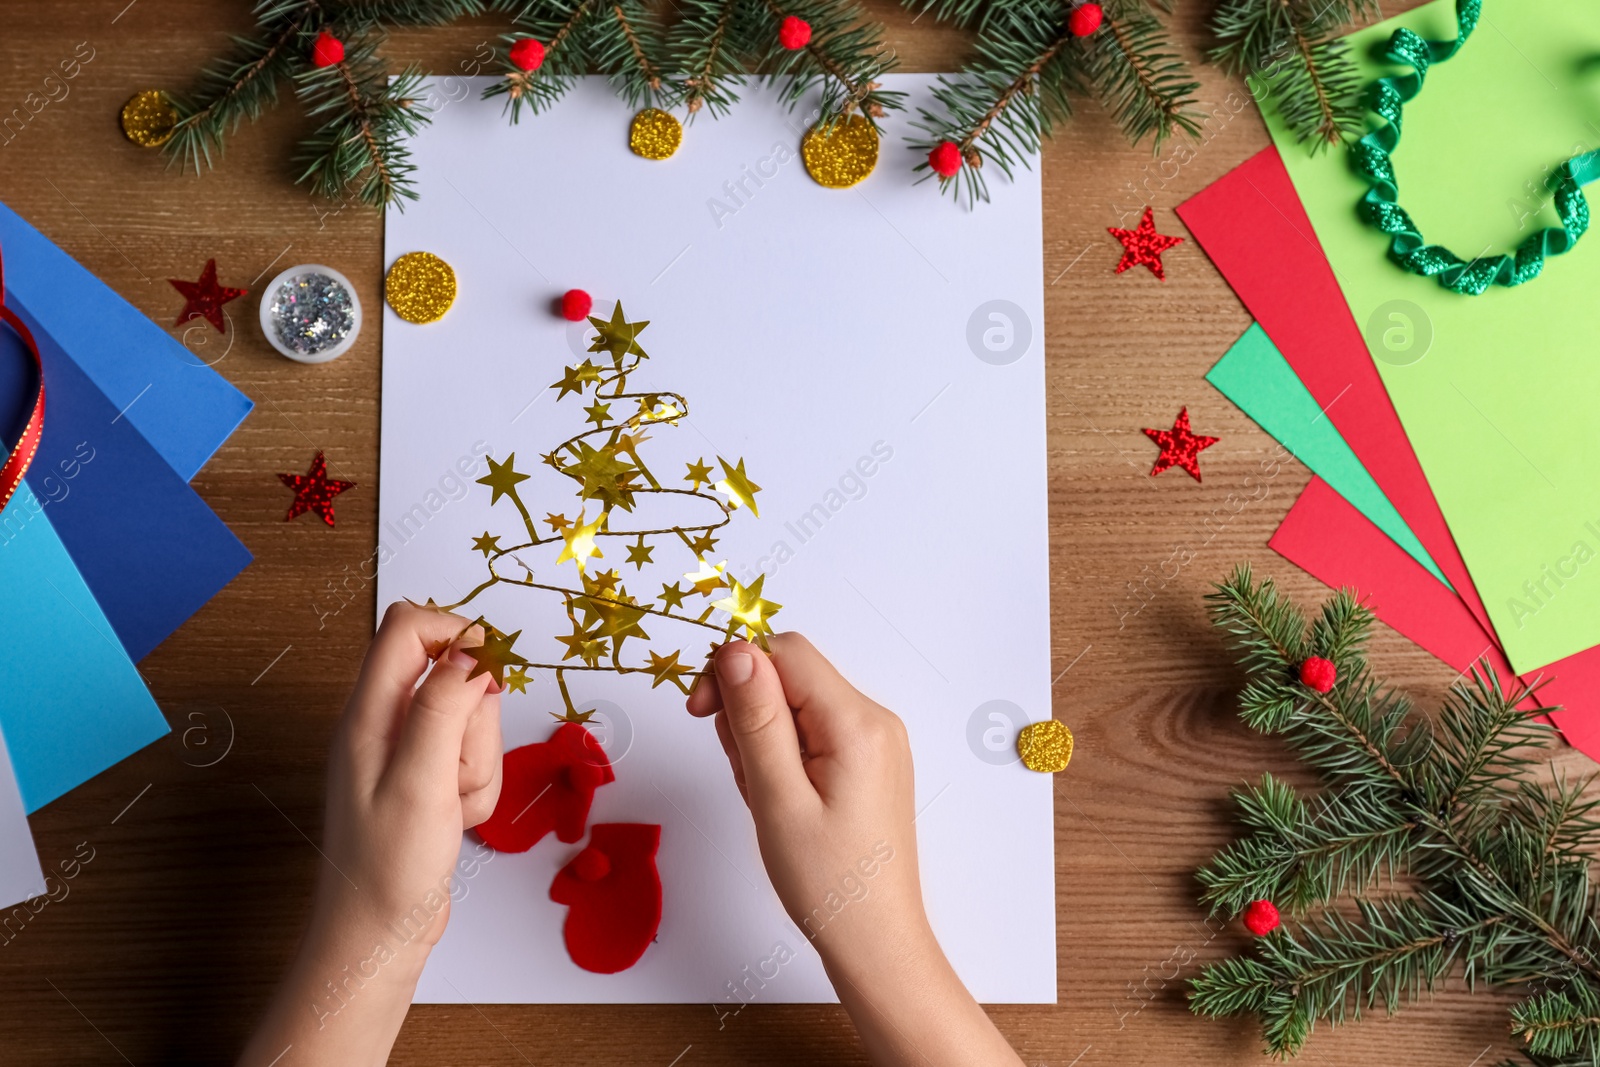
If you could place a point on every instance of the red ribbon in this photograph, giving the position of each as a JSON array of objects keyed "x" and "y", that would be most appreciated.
[{"x": 21, "y": 456}]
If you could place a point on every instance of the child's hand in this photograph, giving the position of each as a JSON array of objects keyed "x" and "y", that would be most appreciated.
[
  {"x": 827, "y": 775},
  {"x": 411, "y": 767}
]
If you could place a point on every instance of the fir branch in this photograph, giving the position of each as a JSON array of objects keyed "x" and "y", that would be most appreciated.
[
  {"x": 706, "y": 42},
  {"x": 241, "y": 87},
  {"x": 1147, "y": 88},
  {"x": 1503, "y": 887},
  {"x": 1292, "y": 48},
  {"x": 359, "y": 149},
  {"x": 556, "y": 23},
  {"x": 845, "y": 59}
]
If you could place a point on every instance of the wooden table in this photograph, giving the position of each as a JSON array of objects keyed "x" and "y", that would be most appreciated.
[{"x": 171, "y": 939}]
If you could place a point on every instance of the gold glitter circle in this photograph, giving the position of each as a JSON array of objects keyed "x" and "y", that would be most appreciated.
[
  {"x": 148, "y": 118},
  {"x": 840, "y": 157},
  {"x": 654, "y": 134},
  {"x": 1045, "y": 746},
  {"x": 420, "y": 287}
]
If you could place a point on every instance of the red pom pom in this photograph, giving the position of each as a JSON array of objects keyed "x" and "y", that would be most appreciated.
[
  {"x": 591, "y": 865},
  {"x": 575, "y": 304},
  {"x": 527, "y": 54},
  {"x": 945, "y": 159},
  {"x": 794, "y": 33},
  {"x": 1085, "y": 19},
  {"x": 326, "y": 50},
  {"x": 1261, "y": 917},
  {"x": 1319, "y": 674}
]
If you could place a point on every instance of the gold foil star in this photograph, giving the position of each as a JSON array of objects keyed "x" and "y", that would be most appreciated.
[
  {"x": 672, "y": 596},
  {"x": 495, "y": 655},
  {"x": 639, "y": 554},
  {"x": 703, "y": 545},
  {"x": 739, "y": 488},
  {"x": 605, "y": 477},
  {"x": 699, "y": 471},
  {"x": 517, "y": 679},
  {"x": 667, "y": 669},
  {"x": 571, "y": 382},
  {"x": 580, "y": 544},
  {"x": 603, "y": 583},
  {"x": 619, "y": 621},
  {"x": 707, "y": 579},
  {"x": 618, "y": 336},
  {"x": 486, "y": 544},
  {"x": 744, "y": 603},
  {"x": 598, "y": 413},
  {"x": 557, "y": 522},
  {"x": 502, "y": 477}
]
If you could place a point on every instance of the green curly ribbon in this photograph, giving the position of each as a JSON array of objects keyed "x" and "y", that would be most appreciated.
[{"x": 1380, "y": 207}]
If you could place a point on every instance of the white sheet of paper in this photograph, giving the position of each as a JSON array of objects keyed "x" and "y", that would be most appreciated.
[
  {"x": 20, "y": 876},
  {"x": 820, "y": 334}
]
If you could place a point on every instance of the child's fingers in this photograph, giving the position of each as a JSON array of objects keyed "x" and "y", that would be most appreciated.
[
  {"x": 762, "y": 726},
  {"x": 399, "y": 655},
  {"x": 828, "y": 710},
  {"x": 704, "y": 698},
  {"x": 735, "y": 761},
  {"x": 428, "y": 755},
  {"x": 478, "y": 774}
]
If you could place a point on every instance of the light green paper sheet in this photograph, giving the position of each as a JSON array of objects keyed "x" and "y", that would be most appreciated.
[
  {"x": 1260, "y": 382},
  {"x": 1501, "y": 405}
]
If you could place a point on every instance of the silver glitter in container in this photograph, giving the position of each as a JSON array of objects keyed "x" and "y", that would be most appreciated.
[{"x": 313, "y": 312}]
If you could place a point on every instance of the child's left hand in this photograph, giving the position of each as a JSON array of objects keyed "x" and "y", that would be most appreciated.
[{"x": 412, "y": 766}]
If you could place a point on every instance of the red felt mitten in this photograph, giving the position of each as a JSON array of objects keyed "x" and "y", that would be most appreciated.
[
  {"x": 546, "y": 787},
  {"x": 614, "y": 896}
]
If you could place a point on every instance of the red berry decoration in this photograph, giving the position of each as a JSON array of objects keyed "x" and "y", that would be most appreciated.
[
  {"x": 1261, "y": 917},
  {"x": 326, "y": 50},
  {"x": 527, "y": 54},
  {"x": 794, "y": 33},
  {"x": 575, "y": 304},
  {"x": 945, "y": 159},
  {"x": 1319, "y": 674},
  {"x": 1085, "y": 19}
]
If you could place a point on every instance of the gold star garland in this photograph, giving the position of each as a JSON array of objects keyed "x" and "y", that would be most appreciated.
[{"x": 610, "y": 473}]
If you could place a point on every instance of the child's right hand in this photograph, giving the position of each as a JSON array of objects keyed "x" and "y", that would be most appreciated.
[{"x": 827, "y": 775}]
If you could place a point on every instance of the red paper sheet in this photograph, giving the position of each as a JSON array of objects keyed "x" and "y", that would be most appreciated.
[
  {"x": 1253, "y": 227},
  {"x": 1326, "y": 536}
]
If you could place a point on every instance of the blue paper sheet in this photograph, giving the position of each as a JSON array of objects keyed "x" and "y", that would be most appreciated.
[
  {"x": 71, "y": 702},
  {"x": 150, "y": 550},
  {"x": 181, "y": 406}
]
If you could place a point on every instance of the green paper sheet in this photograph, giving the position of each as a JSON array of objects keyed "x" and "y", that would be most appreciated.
[
  {"x": 1498, "y": 393},
  {"x": 1255, "y": 376}
]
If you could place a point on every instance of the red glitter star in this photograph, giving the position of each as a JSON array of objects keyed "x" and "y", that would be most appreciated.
[
  {"x": 314, "y": 490},
  {"x": 1143, "y": 245},
  {"x": 204, "y": 298},
  {"x": 1179, "y": 447}
]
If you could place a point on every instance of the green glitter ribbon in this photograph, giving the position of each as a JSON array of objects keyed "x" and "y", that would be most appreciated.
[{"x": 1380, "y": 207}]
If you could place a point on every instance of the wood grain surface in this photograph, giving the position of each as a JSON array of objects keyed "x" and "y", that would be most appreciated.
[{"x": 170, "y": 940}]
